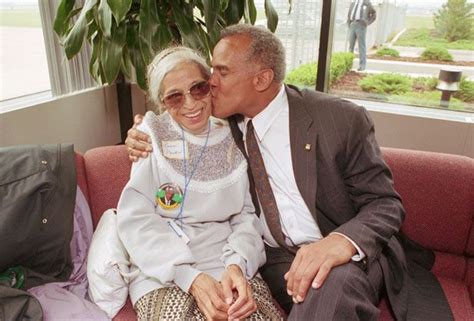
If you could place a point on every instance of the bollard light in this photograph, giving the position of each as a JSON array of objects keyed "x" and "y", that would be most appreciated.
[{"x": 448, "y": 83}]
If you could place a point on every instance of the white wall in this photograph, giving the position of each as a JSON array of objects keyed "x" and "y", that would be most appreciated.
[
  {"x": 422, "y": 133},
  {"x": 87, "y": 119}
]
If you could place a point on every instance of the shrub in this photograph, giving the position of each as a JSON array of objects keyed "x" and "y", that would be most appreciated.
[
  {"x": 425, "y": 83},
  {"x": 305, "y": 75},
  {"x": 341, "y": 63},
  {"x": 386, "y": 83},
  {"x": 466, "y": 90},
  {"x": 454, "y": 20},
  {"x": 436, "y": 53},
  {"x": 385, "y": 51}
]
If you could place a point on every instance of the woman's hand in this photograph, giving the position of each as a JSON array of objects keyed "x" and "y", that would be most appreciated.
[
  {"x": 234, "y": 283},
  {"x": 209, "y": 297},
  {"x": 138, "y": 143}
]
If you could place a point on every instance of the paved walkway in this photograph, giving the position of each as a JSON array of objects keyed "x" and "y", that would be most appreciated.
[
  {"x": 458, "y": 55},
  {"x": 412, "y": 68}
]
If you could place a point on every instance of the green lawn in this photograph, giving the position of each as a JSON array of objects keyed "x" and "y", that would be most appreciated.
[
  {"x": 423, "y": 37},
  {"x": 419, "y": 22},
  {"x": 20, "y": 18}
]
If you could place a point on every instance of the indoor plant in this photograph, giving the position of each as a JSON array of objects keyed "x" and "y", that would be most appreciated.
[{"x": 126, "y": 34}]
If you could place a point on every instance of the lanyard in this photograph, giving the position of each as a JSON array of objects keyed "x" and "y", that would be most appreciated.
[{"x": 186, "y": 179}]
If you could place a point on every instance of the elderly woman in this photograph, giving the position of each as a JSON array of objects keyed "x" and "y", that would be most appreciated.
[{"x": 186, "y": 216}]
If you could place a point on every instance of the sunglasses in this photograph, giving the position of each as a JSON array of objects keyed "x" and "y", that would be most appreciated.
[{"x": 176, "y": 100}]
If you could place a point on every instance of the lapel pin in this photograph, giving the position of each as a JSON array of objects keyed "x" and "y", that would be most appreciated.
[{"x": 307, "y": 147}]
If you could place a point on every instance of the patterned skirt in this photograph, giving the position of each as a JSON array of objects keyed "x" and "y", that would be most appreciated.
[{"x": 172, "y": 303}]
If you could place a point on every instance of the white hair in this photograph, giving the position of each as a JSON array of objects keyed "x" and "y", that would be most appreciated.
[{"x": 167, "y": 60}]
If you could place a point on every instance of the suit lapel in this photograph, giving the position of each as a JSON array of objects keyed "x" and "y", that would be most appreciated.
[{"x": 303, "y": 139}]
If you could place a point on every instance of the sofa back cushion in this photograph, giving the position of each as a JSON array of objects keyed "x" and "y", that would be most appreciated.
[
  {"x": 437, "y": 192},
  {"x": 107, "y": 171},
  {"x": 438, "y": 195}
]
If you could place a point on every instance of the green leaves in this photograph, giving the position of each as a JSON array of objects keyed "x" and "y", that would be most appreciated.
[
  {"x": 119, "y": 8},
  {"x": 75, "y": 37},
  {"x": 111, "y": 52},
  {"x": 104, "y": 18},
  {"x": 148, "y": 27},
  {"x": 61, "y": 22},
  {"x": 125, "y": 35},
  {"x": 250, "y": 12},
  {"x": 272, "y": 16},
  {"x": 210, "y": 13}
]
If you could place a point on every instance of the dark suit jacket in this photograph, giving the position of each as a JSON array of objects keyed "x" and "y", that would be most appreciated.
[
  {"x": 348, "y": 187},
  {"x": 368, "y": 12}
]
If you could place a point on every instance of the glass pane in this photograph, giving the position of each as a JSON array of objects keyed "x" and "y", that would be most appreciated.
[
  {"x": 299, "y": 32},
  {"x": 23, "y": 63},
  {"x": 409, "y": 47}
]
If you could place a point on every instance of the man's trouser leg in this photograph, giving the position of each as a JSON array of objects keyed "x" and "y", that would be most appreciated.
[
  {"x": 361, "y": 31},
  {"x": 278, "y": 263},
  {"x": 348, "y": 293},
  {"x": 352, "y": 36}
]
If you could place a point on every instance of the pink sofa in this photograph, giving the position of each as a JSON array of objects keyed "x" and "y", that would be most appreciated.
[{"x": 437, "y": 190}]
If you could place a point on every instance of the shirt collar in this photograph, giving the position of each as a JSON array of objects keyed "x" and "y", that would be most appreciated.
[{"x": 264, "y": 120}]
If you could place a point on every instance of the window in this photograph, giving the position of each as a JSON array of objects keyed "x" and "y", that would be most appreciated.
[
  {"x": 407, "y": 50},
  {"x": 23, "y": 62},
  {"x": 33, "y": 65},
  {"x": 299, "y": 32}
]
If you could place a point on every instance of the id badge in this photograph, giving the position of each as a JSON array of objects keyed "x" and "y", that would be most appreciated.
[
  {"x": 173, "y": 149},
  {"x": 179, "y": 232}
]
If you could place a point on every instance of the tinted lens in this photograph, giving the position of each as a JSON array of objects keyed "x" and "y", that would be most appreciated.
[
  {"x": 197, "y": 91},
  {"x": 174, "y": 100},
  {"x": 200, "y": 90}
]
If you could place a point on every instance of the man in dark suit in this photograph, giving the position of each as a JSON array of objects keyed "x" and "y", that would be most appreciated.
[
  {"x": 361, "y": 14},
  {"x": 331, "y": 217}
]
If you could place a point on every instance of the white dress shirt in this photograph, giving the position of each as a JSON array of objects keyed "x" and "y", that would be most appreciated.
[
  {"x": 357, "y": 10},
  {"x": 272, "y": 130}
]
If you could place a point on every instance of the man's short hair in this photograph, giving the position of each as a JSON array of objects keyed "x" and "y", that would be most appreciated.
[{"x": 265, "y": 49}]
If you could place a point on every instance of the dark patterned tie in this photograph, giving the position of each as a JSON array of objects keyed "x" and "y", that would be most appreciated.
[{"x": 264, "y": 190}]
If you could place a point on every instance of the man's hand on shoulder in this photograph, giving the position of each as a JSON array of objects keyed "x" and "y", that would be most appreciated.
[
  {"x": 313, "y": 263},
  {"x": 138, "y": 143}
]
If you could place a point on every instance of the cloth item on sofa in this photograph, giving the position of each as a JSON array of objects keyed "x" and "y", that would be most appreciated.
[
  {"x": 38, "y": 189},
  {"x": 108, "y": 266},
  {"x": 68, "y": 300},
  {"x": 16, "y": 304}
]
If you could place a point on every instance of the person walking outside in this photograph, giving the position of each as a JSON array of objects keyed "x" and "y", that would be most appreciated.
[{"x": 360, "y": 15}]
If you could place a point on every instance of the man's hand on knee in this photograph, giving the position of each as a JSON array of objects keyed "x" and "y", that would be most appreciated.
[
  {"x": 314, "y": 261},
  {"x": 138, "y": 143}
]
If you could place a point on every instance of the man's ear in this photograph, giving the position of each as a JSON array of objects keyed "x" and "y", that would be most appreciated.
[{"x": 263, "y": 79}]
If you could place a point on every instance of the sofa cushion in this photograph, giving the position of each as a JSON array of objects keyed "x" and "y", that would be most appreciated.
[
  {"x": 458, "y": 298},
  {"x": 470, "y": 278},
  {"x": 449, "y": 265},
  {"x": 127, "y": 313},
  {"x": 438, "y": 195},
  {"x": 107, "y": 170}
]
